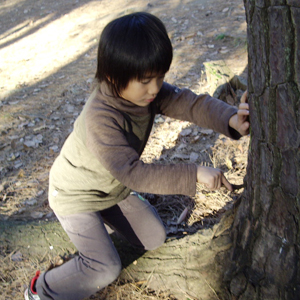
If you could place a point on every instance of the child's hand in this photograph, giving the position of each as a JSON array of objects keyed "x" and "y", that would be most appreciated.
[
  {"x": 212, "y": 178},
  {"x": 240, "y": 121}
]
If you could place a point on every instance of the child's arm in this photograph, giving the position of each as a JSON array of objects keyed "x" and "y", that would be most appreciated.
[
  {"x": 202, "y": 110},
  {"x": 240, "y": 121},
  {"x": 214, "y": 178}
]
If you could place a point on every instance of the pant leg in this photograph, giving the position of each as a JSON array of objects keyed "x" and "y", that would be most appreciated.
[
  {"x": 136, "y": 220},
  {"x": 96, "y": 266}
]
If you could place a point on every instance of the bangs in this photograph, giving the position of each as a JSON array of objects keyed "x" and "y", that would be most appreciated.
[
  {"x": 148, "y": 53},
  {"x": 154, "y": 62}
]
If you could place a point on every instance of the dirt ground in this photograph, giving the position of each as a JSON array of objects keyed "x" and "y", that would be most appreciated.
[{"x": 47, "y": 64}]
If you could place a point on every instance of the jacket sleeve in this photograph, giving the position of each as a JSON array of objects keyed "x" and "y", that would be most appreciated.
[
  {"x": 106, "y": 140},
  {"x": 202, "y": 110}
]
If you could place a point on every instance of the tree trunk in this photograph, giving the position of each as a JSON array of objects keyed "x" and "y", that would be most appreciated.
[{"x": 266, "y": 231}]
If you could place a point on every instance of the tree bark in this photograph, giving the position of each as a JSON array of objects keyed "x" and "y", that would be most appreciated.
[{"x": 266, "y": 231}]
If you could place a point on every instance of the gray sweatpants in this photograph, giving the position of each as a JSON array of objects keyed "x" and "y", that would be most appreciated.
[{"x": 98, "y": 263}]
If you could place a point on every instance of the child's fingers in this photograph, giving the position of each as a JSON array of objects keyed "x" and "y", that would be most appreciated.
[
  {"x": 226, "y": 183},
  {"x": 244, "y": 98},
  {"x": 244, "y": 106},
  {"x": 243, "y": 112},
  {"x": 245, "y": 128},
  {"x": 245, "y": 125}
]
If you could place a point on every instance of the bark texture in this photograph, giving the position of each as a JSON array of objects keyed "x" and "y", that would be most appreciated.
[{"x": 266, "y": 235}]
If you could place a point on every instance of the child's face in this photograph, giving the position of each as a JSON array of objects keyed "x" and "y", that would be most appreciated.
[{"x": 143, "y": 92}]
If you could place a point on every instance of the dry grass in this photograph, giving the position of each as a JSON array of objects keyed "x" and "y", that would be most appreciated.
[{"x": 131, "y": 291}]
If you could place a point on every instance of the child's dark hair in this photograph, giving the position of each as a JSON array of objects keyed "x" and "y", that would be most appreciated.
[{"x": 133, "y": 47}]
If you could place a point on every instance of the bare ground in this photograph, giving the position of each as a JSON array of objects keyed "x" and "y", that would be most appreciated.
[{"x": 47, "y": 63}]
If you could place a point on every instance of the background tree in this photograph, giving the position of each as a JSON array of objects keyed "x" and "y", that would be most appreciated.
[{"x": 266, "y": 231}]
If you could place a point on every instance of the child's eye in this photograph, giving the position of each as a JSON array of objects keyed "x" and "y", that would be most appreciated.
[
  {"x": 145, "y": 81},
  {"x": 161, "y": 77}
]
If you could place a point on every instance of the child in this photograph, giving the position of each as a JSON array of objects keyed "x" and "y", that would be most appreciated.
[{"x": 99, "y": 165}]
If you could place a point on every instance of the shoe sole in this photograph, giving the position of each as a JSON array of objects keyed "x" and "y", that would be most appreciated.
[{"x": 26, "y": 294}]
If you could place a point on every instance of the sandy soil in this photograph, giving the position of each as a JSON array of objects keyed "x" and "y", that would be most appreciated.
[{"x": 47, "y": 63}]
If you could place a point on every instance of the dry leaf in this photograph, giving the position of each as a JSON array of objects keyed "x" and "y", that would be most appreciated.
[
  {"x": 206, "y": 131},
  {"x": 182, "y": 216}
]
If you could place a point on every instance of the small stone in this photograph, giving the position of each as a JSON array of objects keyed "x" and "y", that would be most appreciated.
[
  {"x": 223, "y": 51},
  {"x": 13, "y": 102},
  {"x": 18, "y": 164},
  {"x": 70, "y": 108},
  {"x": 194, "y": 156},
  {"x": 49, "y": 215},
  {"x": 159, "y": 119},
  {"x": 31, "y": 202},
  {"x": 54, "y": 148},
  {"x": 206, "y": 131},
  {"x": 37, "y": 214},
  {"x": 39, "y": 193},
  {"x": 21, "y": 210},
  {"x": 186, "y": 132},
  {"x": 180, "y": 156},
  {"x": 17, "y": 256},
  {"x": 29, "y": 144},
  {"x": 39, "y": 137}
]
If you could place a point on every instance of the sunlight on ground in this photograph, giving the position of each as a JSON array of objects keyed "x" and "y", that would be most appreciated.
[{"x": 40, "y": 45}]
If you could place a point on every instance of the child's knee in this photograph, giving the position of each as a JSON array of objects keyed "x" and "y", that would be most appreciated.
[
  {"x": 112, "y": 273},
  {"x": 106, "y": 276},
  {"x": 157, "y": 239}
]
